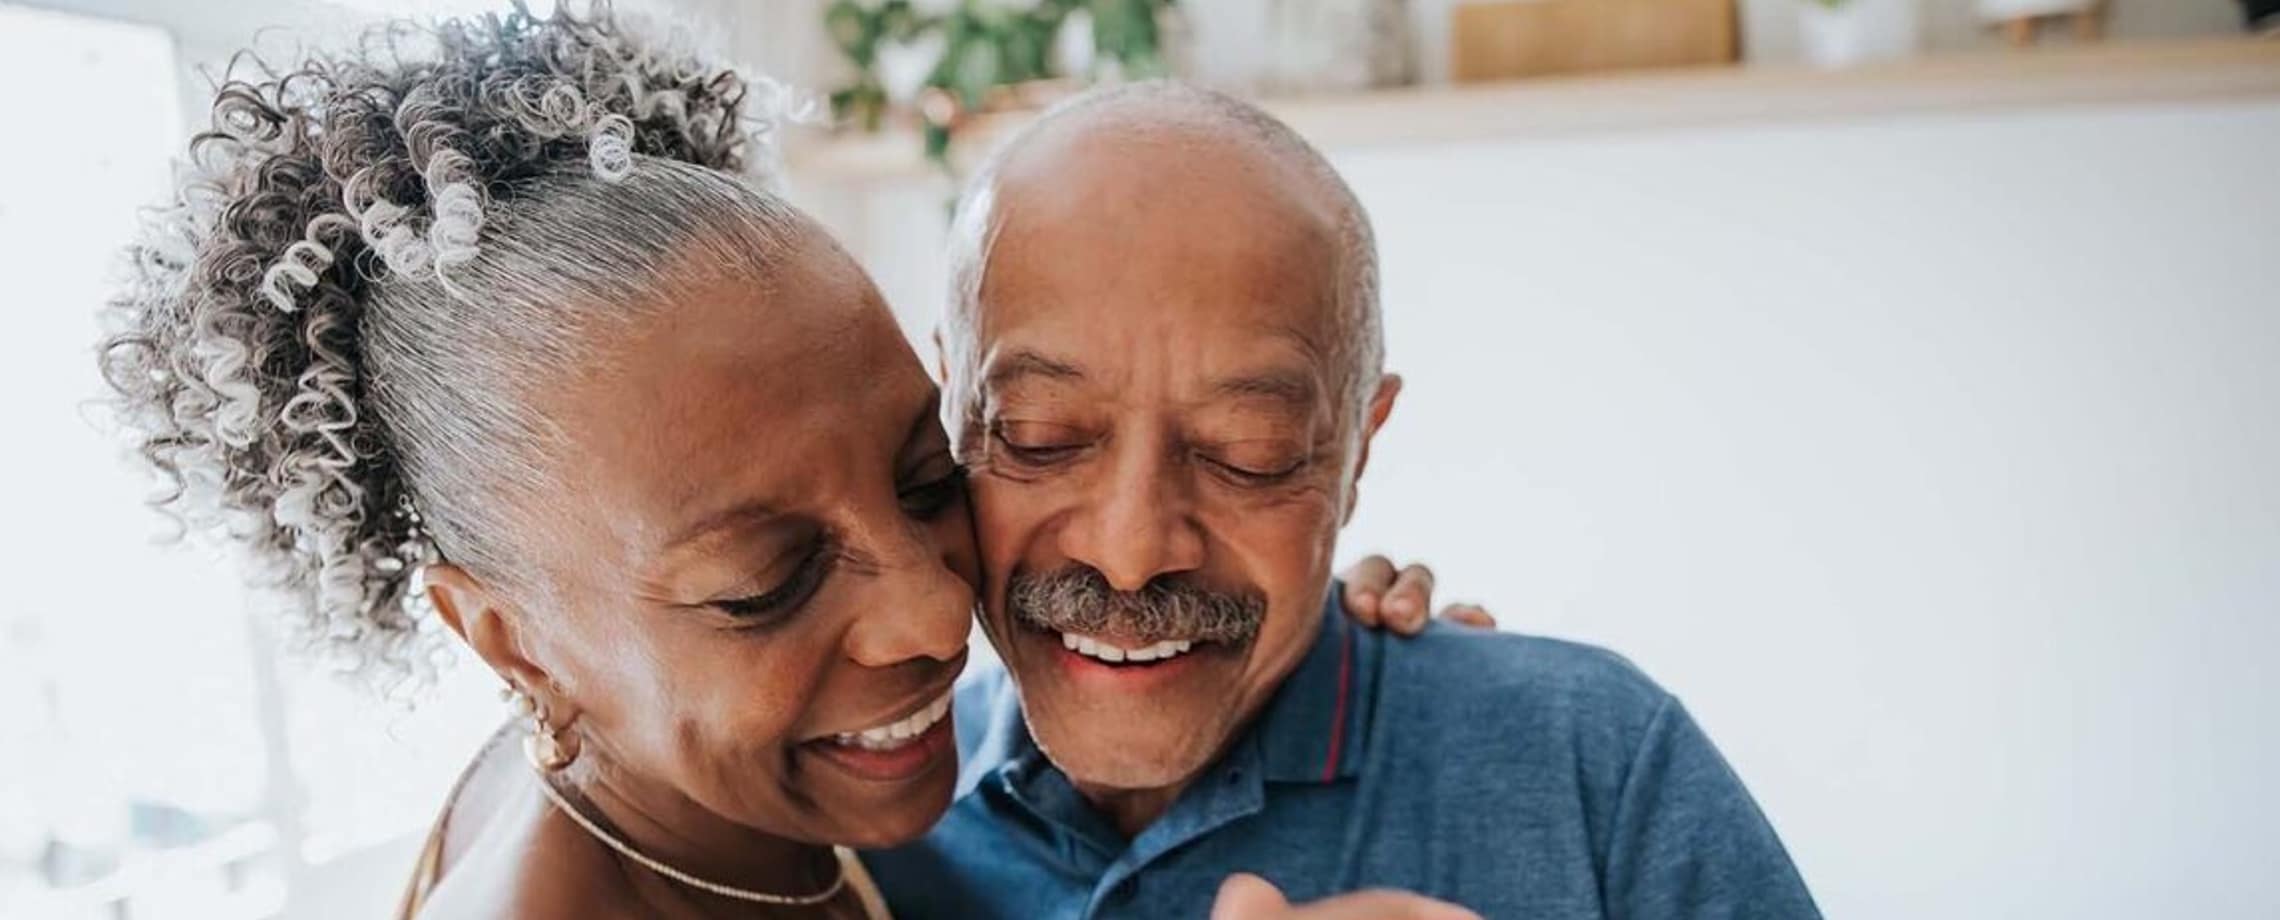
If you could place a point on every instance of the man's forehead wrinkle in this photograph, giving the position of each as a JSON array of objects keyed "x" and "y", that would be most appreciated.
[
  {"x": 1200, "y": 214},
  {"x": 1282, "y": 276},
  {"x": 1287, "y": 366}
]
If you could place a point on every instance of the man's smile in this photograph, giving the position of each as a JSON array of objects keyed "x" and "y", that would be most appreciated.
[
  {"x": 1123, "y": 665},
  {"x": 1110, "y": 651}
]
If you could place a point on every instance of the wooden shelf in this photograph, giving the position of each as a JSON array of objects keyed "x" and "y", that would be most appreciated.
[{"x": 2110, "y": 74}]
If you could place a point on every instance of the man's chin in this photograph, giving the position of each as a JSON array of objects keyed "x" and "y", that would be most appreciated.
[
  {"x": 1134, "y": 762},
  {"x": 1126, "y": 725}
]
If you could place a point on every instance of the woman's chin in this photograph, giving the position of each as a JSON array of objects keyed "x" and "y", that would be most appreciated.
[
  {"x": 879, "y": 805},
  {"x": 882, "y": 825}
]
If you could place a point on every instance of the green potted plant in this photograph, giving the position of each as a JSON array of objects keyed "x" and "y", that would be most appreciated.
[
  {"x": 859, "y": 31},
  {"x": 990, "y": 51}
]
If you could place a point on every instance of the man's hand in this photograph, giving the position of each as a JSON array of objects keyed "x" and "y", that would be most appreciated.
[
  {"x": 1376, "y": 595},
  {"x": 1249, "y": 897}
]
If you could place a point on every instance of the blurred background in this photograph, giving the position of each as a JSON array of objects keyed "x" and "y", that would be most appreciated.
[{"x": 1896, "y": 380}]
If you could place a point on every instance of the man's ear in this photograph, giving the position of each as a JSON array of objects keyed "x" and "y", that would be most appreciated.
[
  {"x": 481, "y": 618},
  {"x": 1381, "y": 407}
]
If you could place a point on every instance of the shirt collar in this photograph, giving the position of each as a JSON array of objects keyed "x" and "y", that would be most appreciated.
[
  {"x": 1000, "y": 736},
  {"x": 1316, "y": 723}
]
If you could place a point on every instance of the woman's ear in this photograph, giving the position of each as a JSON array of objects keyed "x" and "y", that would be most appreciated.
[{"x": 482, "y": 620}]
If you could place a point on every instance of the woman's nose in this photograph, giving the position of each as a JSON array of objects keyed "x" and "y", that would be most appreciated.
[{"x": 918, "y": 609}]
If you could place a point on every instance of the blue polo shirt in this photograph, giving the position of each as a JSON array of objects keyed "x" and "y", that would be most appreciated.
[{"x": 1520, "y": 777}]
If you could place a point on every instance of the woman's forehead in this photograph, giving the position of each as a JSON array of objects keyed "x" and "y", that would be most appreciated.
[{"x": 741, "y": 388}]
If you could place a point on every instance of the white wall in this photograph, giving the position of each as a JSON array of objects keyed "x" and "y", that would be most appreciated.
[{"x": 1931, "y": 461}]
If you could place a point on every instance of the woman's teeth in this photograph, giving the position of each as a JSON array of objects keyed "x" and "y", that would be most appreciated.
[
  {"x": 901, "y": 732},
  {"x": 1103, "y": 651}
]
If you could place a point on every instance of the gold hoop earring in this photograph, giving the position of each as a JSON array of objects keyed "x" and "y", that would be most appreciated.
[
  {"x": 545, "y": 746},
  {"x": 546, "y": 749}
]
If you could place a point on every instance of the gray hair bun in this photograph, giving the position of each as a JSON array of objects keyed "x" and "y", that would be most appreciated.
[{"x": 236, "y": 350}]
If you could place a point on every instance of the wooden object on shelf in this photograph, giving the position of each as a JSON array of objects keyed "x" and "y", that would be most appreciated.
[
  {"x": 2089, "y": 25},
  {"x": 1528, "y": 38}
]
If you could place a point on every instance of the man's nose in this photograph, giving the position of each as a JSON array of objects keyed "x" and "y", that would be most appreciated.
[{"x": 1139, "y": 522}]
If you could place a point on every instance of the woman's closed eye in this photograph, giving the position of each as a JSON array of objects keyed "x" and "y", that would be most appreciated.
[
  {"x": 928, "y": 499},
  {"x": 778, "y": 603}
]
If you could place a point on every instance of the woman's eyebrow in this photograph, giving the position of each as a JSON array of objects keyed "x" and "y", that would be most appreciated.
[{"x": 741, "y": 515}]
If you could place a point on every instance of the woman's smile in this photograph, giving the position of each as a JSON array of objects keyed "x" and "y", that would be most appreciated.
[
  {"x": 894, "y": 752},
  {"x": 902, "y": 742}
]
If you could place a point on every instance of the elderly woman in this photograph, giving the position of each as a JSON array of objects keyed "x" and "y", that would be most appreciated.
[{"x": 489, "y": 335}]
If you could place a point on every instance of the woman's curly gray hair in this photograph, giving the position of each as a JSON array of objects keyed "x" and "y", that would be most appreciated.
[{"x": 326, "y": 331}]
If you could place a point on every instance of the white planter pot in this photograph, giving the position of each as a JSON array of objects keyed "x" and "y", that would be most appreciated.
[
  {"x": 903, "y": 68},
  {"x": 1222, "y": 42},
  {"x": 2006, "y": 10},
  {"x": 1857, "y": 31}
]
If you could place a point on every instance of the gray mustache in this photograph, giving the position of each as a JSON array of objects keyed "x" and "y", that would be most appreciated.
[{"x": 1079, "y": 600}]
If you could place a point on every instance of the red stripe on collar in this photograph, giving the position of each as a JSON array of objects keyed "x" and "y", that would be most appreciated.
[{"x": 1338, "y": 716}]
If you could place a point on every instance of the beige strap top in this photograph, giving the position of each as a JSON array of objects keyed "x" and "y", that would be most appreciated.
[
  {"x": 866, "y": 890},
  {"x": 428, "y": 871}
]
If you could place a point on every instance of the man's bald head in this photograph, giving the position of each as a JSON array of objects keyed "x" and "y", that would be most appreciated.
[{"x": 1174, "y": 143}]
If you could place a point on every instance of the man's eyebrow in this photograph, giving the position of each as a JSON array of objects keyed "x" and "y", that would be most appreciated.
[
  {"x": 1284, "y": 386},
  {"x": 1022, "y": 363}
]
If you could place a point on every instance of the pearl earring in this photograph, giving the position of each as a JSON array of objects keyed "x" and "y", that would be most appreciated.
[{"x": 415, "y": 602}]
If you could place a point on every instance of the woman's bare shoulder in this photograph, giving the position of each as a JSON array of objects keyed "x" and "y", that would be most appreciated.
[{"x": 506, "y": 855}]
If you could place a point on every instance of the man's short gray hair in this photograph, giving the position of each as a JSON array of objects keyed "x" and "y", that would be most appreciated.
[{"x": 1360, "y": 344}]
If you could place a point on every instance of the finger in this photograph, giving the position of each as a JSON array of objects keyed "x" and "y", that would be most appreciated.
[
  {"x": 1381, "y": 905},
  {"x": 1366, "y": 582},
  {"x": 1244, "y": 896},
  {"x": 1469, "y": 615},
  {"x": 1407, "y": 602}
]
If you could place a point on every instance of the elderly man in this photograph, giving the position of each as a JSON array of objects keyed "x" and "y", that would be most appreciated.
[{"x": 1163, "y": 364}]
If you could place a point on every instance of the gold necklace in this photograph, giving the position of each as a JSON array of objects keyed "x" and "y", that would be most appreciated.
[{"x": 546, "y": 785}]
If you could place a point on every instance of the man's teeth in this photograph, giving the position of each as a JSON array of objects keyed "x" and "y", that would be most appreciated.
[
  {"x": 1104, "y": 651},
  {"x": 899, "y": 733}
]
